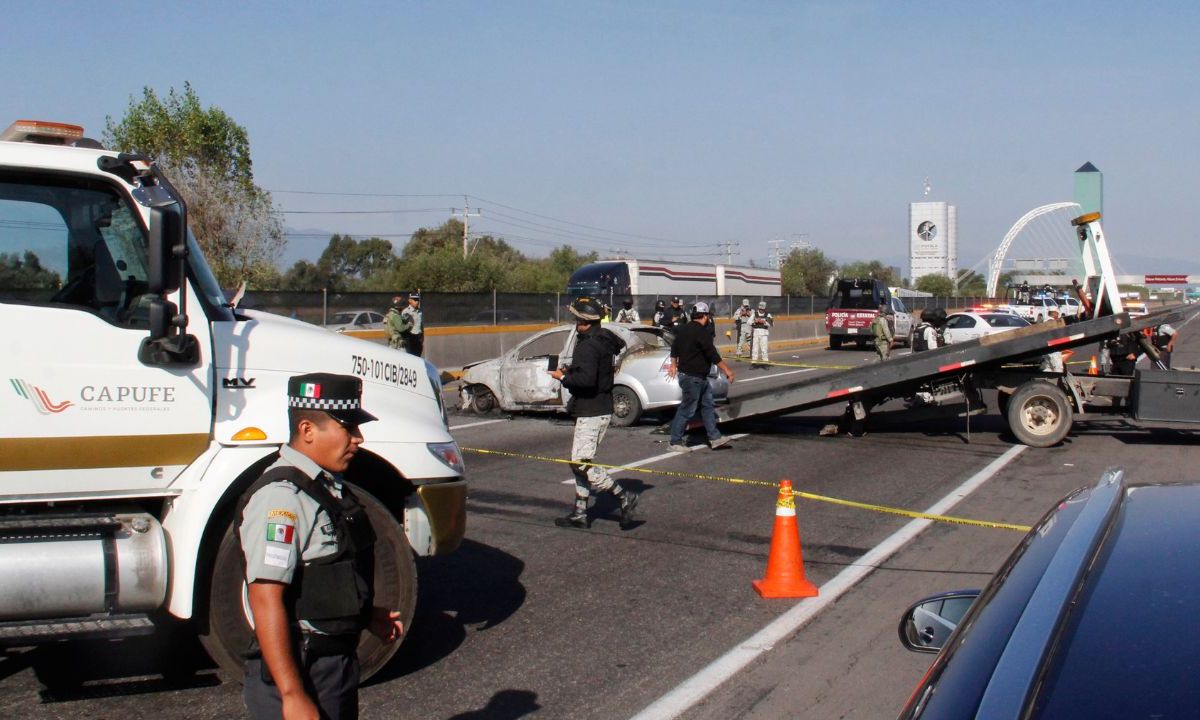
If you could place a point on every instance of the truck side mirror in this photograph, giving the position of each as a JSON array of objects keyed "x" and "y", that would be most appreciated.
[{"x": 168, "y": 247}]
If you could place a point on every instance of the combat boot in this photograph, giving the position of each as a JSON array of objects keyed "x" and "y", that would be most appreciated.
[
  {"x": 629, "y": 501},
  {"x": 574, "y": 520}
]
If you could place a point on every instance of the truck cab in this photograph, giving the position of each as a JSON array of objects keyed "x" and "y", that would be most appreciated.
[
  {"x": 854, "y": 304},
  {"x": 141, "y": 405}
]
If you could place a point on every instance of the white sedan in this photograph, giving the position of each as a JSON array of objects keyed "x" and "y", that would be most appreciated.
[{"x": 964, "y": 326}]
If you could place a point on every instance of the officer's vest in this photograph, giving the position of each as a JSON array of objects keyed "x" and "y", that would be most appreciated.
[
  {"x": 333, "y": 593},
  {"x": 761, "y": 315},
  {"x": 919, "y": 342}
]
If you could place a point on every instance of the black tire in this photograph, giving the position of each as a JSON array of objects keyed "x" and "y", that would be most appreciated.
[
  {"x": 627, "y": 409},
  {"x": 835, "y": 342},
  {"x": 1039, "y": 414},
  {"x": 228, "y": 633},
  {"x": 482, "y": 400}
]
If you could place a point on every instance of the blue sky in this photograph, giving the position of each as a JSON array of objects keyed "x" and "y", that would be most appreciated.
[{"x": 693, "y": 123}]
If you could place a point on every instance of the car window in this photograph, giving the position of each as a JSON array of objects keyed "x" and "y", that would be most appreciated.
[
  {"x": 960, "y": 321},
  {"x": 1004, "y": 320},
  {"x": 898, "y": 306},
  {"x": 375, "y": 317},
  {"x": 341, "y": 318},
  {"x": 643, "y": 339},
  {"x": 544, "y": 345}
]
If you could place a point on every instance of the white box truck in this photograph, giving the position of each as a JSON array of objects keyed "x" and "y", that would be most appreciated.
[{"x": 139, "y": 405}]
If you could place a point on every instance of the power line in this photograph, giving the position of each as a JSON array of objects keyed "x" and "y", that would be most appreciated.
[{"x": 363, "y": 212}]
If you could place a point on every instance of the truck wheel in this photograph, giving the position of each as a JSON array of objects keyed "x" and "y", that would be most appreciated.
[
  {"x": 1002, "y": 399},
  {"x": 229, "y": 632},
  {"x": 482, "y": 400},
  {"x": 835, "y": 342},
  {"x": 1039, "y": 414},
  {"x": 627, "y": 409}
]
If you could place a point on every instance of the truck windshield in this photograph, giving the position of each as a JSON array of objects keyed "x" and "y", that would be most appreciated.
[
  {"x": 72, "y": 242},
  {"x": 600, "y": 279}
]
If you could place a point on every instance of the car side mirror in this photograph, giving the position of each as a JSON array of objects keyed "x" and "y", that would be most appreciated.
[
  {"x": 551, "y": 363},
  {"x": 926, "y": 625}
]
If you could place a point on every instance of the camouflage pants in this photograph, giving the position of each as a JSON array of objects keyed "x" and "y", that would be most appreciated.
[
  {"x": 589, "y": 431},
  {"x": 883, "y": 350}
]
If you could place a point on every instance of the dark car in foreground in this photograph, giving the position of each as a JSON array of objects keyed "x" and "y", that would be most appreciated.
[{"x": 1094, "y": 615}]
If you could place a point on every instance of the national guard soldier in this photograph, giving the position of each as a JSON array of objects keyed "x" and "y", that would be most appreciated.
[
  {"x": 660, "y": 315},
  {"x": 677, "y": 317},
  {"x": 760, "y": 330},
  {"x": 308, "y": 549},
  {"x": 392, "y": 323},
  {"x": 741, "y": 322},
  {"x": 628, "y": 313},
  {"x": 882, "y": 330},
  {"x": 590, "y": 380},
  {"x": 412, "y": 326}
]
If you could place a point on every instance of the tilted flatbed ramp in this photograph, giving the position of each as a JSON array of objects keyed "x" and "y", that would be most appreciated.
[{"x": 900, "y": 375}]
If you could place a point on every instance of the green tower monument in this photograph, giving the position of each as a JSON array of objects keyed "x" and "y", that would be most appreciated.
[{"x": 1089, "y": 189}]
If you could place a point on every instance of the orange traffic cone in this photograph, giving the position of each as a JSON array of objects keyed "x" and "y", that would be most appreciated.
[
  {"x": 785, "y": 563},
  {"x": 1093, "y": 368}
]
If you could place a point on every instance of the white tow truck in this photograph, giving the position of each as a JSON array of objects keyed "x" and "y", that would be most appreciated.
[{"x": 139, "y": 406}]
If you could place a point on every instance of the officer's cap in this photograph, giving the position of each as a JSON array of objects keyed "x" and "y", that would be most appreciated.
[
  {"x": 700, "y": 308},
  {"x": 415, "y": 296},
  {"x": 338, "y": 395}
]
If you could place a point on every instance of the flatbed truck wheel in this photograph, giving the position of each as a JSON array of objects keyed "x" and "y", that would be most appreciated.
[
  {"x": 835, "y": 342},
  {"x": 228, "y": 631},
  {"x": 1039, "y": 414}
]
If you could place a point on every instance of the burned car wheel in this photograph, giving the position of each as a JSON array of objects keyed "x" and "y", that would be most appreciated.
[
  {"x": 627, "y": 409},
  {"x": 482, "y": 400}
]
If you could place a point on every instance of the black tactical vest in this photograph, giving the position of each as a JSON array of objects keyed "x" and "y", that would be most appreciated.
[{"x": 333, "y": 593}]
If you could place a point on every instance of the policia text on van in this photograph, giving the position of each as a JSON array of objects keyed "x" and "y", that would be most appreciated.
[{"x": 140, "y": 406}]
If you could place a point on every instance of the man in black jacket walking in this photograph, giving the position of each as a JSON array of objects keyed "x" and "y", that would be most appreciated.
[
  {"x": 692, "y": 355},
  {"x": 590, "y": 380}
]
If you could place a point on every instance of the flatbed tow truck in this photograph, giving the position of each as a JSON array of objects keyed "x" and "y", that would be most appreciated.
[{"x": 1039, "y": 406}]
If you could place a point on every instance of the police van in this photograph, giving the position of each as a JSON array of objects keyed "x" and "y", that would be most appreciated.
[{"x": 140, "y": 404}]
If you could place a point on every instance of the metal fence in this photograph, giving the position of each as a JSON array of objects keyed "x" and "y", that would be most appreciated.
[{"x": 444, "y": 309}]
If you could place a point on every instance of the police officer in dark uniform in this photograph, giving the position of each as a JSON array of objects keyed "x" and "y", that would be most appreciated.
[{"x": 308, "y": 550}]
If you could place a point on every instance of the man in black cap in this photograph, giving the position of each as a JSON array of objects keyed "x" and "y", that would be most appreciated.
[
  {"x": 692, "y": 357},
  {"x": 677, "y": 317},
  {"x": 412, "y": 326},
  {"x": 308, "y": 550}
]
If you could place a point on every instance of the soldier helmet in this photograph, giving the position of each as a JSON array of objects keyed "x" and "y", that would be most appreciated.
[
  {"x": 586, "y": 309},
  {"x": 745, "y": 302},
  {"x": 627, "y": 303},
  {"x": 762, "y": 304},
  {"x": 659, "y": 305}
]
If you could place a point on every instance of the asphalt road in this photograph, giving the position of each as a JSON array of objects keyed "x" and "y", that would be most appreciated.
[{"x": 529, "y": 619}]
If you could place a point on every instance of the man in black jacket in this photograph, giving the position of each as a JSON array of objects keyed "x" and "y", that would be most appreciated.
[
  {"x": 692, "y": 355},
  {"x": 590, "y": 380}
]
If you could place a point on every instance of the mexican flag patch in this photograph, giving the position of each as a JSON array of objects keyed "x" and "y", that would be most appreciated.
[
  {"x": 310, "y": 390},
  {"x": 279, "y": 532}
]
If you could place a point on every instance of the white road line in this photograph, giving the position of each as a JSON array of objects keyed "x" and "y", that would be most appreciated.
[
  {"x": 477, "y": 424},
  {"x": 739, "y": 381},
  {"x": 697, "y": 687},
  {"x": 656, "y": 458}
]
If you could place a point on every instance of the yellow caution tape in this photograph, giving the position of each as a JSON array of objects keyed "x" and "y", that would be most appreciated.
[{"x": 763, "y": 483}]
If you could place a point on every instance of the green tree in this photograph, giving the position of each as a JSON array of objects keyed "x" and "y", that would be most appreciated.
[
  {"x": 207, "y": 156},
  {"x": 26, "y": 273},
  {"x": 971, "y": 283},
  {"x": 807, "y": 272},
  {"x": 871, "y": 268},
  {"x": 939, "y": 285}
]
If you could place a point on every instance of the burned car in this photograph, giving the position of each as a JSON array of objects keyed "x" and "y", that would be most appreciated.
[{"x": 520, "y": 378}]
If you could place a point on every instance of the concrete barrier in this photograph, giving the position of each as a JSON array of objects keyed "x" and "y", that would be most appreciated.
[{"x": 450, "y": 348}]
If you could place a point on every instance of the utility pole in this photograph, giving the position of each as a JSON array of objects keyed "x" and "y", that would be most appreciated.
[
  {"x": 729, "y": 246},
  {"x": 466, "y": 215},
  {"x": 776, "y": 254}
]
